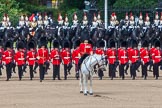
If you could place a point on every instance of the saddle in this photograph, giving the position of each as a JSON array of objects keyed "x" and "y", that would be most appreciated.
[{"x": 81, "y": 60}]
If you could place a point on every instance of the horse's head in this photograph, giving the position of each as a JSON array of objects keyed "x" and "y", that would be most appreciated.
[{"x": 102, "y": 63}]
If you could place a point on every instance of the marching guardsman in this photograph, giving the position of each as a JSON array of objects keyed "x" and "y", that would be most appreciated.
[
  {"x": 126, "y": 20},
  {"x": 66, "y": 58},
  {"x": 31, "y": 57},
  {"x": 140, "y": 21},
  {"x": 46, "y": 21},
  {"x": 40, "y": 21},
  {"x": 1, "y": 56},
  {"x": 145, "y": 58},
  {"x": 134, "y": 59},
  {"x": 112, "y": 58},
  {"x": 7, "y": 58},
  {"x": 66, "y": 22},
  {"x": 156, "y": 20},
  {"x": 123, "y": 59},
  {"x": 161, "y": 19},
  {"x": 94, "y": 22},
  {"x": 131, "y": 21},
  {"x": 20, "y": 58},
  {"x": 76, "y": 56},
  {"x": 60, "y": 20},
  {"x": 99, "y": 21},
  {"x": 42, "y": 56},
  {"x": 56, "y": 59},
  {"x": 85, "y": 20},
  {"x": 75, "y": 20},
  {"x": 27, "y": 22},
  {"x": 156, "y": 57},
  {"x": 147, "y": 21},
  {"x": 21, "y": 21},
  {"x": 100, "y": 51}
]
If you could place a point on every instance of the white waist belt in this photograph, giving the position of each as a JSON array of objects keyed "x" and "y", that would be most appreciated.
[
  {"x": 31, "y": 58},
  {"x": 66, "y": 57},
  {"x": 157, "y": 56},
  {"x": 20, "y": 58},
  {"x": 135, "y": 56},
  {"x": 123, "y": 56},
  {"x": 146, "y": 57},
  {"x": 112, "y": 57},
  {"x": 8, "y": 57}
]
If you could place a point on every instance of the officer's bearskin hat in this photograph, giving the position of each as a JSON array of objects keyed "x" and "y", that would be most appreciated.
[
  {"x": 101, "y": 43},
  {"x": 31, "y": 44},
  {"x": 157, "y": 43},
  {"x": 124, "y": 44},
  {"x": 85, "y": 35},
  {"x": 20, "y": 45},
  {"x": 134, "y": 43},
  {"x": 77, "y": 43},
  {"x": 112, "y": 43},
  {"x": 1, "y": 42},
  {"x": 43, "y": 41},
  {"x": 56, "y": 44},
  {"x": 66, "y": 44},
  {"x": 8, "y": 44},
  {"x": 145, "y": 43}
]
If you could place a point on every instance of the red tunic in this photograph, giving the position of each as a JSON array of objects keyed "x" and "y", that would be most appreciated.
[
  {"x": 55, "y": 56},
  {"x": 144, "y": 54},
  {"x": 31, "y": 57},
  {"x": 100, "y": 51},
  {"x": 85, "y": 48},
  {"x": 133, "y": 55},
  {"x": 76, "y": 55},
  {"x": 20, "y": 58},
  {"x": 111, "y": 55},
  {"x": 123, "y": 56},
  {"x": 1, "y": 54},
  {"x": 65, "y": 55},
  {"x": 156, "y": 57},
  {"x": 42, "y": 55},
  {"x": 7, "y": 56}
]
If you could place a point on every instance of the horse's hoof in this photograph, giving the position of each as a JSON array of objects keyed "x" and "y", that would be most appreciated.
[
  {"x": 90, "y": 93},
  {"x": 87, "y": 91},
  {"x": 85, "y": 94},
  {"x": 81, "y": 91}
]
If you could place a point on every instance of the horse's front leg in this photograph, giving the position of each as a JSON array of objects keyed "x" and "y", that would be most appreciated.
[
  {"x": 91, "y": 91},
  {"x": 85, "y": 79},
  {"x": 81, "y": 83}
]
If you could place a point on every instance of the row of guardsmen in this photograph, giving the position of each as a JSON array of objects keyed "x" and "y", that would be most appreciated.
[{"x": 122, "y": 57}]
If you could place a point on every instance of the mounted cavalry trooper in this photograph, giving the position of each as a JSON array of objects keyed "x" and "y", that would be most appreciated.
[
  {"x": 111, "y": 53},
  {"x": 6, "y": 23},
  {"x": 56, "y": 59},
  {"x": 40, "y": 21},
  {"x": 161, "y": 19},
  {"x": 85, "y": 20},
  {"x": 147, "y": 21},
  {"x": 99, "y": 21},
  {"x": 33, "y": 23},
  {"x": 94, "y": 22},
  {"x": 140, "y": 21},
  {"x": 27, "y": 22},
  {"x": 131, "y": 21},
  {"x": 46, "y": 21},
  {"x": 76, "y": 56},
  {"x": 156, "y": 20},
  {"x": 112, "y": 20},
  {"x": 100, "y": 51},
  {"x": 66, "y": 22},
  {"x": 126, "y": 20},
  {"x": 66, "y": 58},
  {"x": 60, "y": 20},
  {"x": 75, "y": 20},
  {"x": 21, "y": 21}
]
